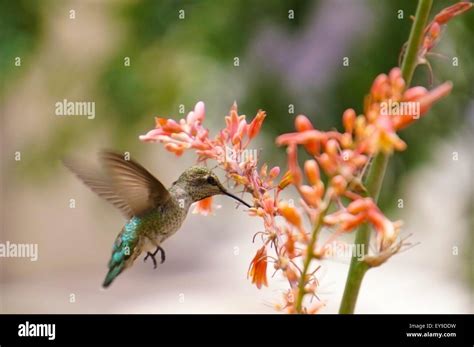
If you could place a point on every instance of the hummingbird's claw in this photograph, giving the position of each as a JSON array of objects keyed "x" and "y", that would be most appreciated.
[
  {"x": 148, "y": 254},
  {"x": 163, "y": 255},
  {"x": 152, "y": 256}
]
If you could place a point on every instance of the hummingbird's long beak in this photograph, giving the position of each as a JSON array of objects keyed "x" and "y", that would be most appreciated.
[{"x": 225, "y": 192}]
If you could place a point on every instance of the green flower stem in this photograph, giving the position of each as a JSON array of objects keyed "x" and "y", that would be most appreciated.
[
  {"x": 309, "y": 256},
  {"x": 376, "y": 173},
  {"x": 358, "y": 268},
  {"x": 410, "y": 60}
]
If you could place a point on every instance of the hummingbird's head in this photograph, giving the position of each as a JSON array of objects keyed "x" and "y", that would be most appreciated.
[{"x": 200, "y": 183}]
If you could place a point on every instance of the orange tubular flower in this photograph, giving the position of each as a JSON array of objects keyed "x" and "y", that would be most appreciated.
[
  {"x": 348, "y": 120},
  {"x": 302, "y": 123},
  {"x": 311, "y": 170},
  {"x": 258, "y": 268},
  {"x": 203, "y": 207},
  {"x": 310, "y": 195},
  {"x": 452, "y": 11},
  {"x": 290, "y": 246},
  {"x": 235, "y": 124},
  {"x": 256, "y": 124},
  {"x": 274, "y": 172},
  {"x": 433, "y": 30},
  {"x": 425, "y": 98},
  {"x": 293, "y": 166},
  {"x": 290, "y": 213},
  {"x": 306, "y": 135},
  {"x": 387, "y": 110}
]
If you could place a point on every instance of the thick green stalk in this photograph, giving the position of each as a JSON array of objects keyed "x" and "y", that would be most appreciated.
[
  {"x": 376, "y": 173},
  {"x": 358, "y": 268},
  {"x": 410, "y": 60}
]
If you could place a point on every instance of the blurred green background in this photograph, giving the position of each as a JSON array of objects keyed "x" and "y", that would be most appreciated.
[{"x": 178, "y": 61}]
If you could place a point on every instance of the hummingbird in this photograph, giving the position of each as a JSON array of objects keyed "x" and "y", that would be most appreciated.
[{"x": 153, "y": 212}]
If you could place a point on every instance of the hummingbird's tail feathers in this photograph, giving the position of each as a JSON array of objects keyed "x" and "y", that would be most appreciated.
[
  {"x": 117, "y": 263},
  {"x": 112, "y": 274},
  {"x": 124, "y": 251}
]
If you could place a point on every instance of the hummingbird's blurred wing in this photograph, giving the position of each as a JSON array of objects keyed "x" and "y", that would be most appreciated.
[
  {"x": 139, "y": 188},
  {"x": 99, "y": 184},
  {"x": 128, "y": 186}
]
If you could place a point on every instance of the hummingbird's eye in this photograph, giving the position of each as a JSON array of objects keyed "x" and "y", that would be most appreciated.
[{"x": 211, "y": 180}]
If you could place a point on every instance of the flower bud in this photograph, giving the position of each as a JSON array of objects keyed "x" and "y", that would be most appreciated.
[
  {"x": 311, "y": 170},
  {"x": 274, "y": 172},
  {"x": 290, "y": 213},
  {"x": 348, "y": 120},
  {"x": 339, "y": 184},
  {"x": 310, "y": 195},
  {"x": 302, "y": 123}
]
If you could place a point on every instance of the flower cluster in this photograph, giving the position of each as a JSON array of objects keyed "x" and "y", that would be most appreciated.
[
  {"x": 342, "y": 204},
  {"x": 330, "y": 184},
  {"x": 343, "y": 157},
  {"x": 229, "y": 148}
]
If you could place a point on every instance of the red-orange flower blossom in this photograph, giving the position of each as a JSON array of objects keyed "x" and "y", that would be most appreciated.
[
  {"x": 432, "y": 32},
  {"x": 258, "y": 268}
]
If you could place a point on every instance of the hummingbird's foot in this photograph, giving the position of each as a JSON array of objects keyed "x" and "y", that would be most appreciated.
[
  {"x": 163, "y": 255},
  {"x": 152, "y": 256}
]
